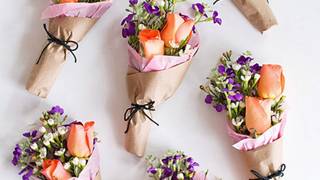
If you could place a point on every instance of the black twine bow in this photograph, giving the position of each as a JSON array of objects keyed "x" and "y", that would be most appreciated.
[
  {"x": 52, "y": 39},
  {"x": 278, "y": 173},
  {"x": 131, "y": 111}
]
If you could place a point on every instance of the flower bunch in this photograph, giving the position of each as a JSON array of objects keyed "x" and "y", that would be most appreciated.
[
  {"x": 173, "y": 166},
  {"x": 154, "y": 28},
  {"x": 76, "y": 1},
  {"x": 56, "y": 150},
  {"x": 252, "y": 94}
]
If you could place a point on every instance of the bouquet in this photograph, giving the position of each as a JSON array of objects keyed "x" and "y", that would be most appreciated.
[
  {"x": 252, "y": 96},
  {"x": 257, "y": 12},
  {"x": 161, "y": 44},
  {"x": 174, "y": 166},
  {"x": 69, "y": 22},
  {"x": 58, "y": 151}
]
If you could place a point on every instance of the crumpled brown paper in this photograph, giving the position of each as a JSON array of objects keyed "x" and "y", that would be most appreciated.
[
  {"x": 144, "y": 87},
  {"x": 266, "y": 159},
  {"x": 257, "y": 12},
  {"x": 44, "y": 73}
]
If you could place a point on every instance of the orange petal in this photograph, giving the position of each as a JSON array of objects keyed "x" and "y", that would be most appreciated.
[
  {"x": 60, "y": 173},
  {"x": 258, "y": 114},
  {"x": 149, "y": 34},
  {"x": 185, "y": 31},
  {"x": 89, "y": 134},
  {"x": 271, "y": 83},
  {"x": 48, "y": 168},
  {"x": 77, "y": 141},
  {"x": 168, "y": 33}
]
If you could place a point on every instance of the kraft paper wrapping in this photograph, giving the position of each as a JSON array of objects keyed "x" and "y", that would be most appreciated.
[
  {"x": 44, "y": 73},
  {"x": 257, "y": 12},
  {"x": 144, "y": 87},
  {"x": 266, "y": 159}
]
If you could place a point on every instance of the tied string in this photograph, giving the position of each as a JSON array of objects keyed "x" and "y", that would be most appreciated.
[
  {"x": 278, "y": 173},
  {"x": 131, "y": 111},
  {"x": 65, "y": 43}
]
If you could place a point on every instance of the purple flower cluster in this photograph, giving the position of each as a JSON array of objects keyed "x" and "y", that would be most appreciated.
[
  {"x": 133, "y": 2},
  {"x": 242, "y": 60},
  {"x": 199, "y": 7},
  {"x": 215, "y": 18},
  {"x": 16, "y": 155},
  {"x": 27, "y": 173},
  {"x": 129, "y": 28},
  {"x": 56, "y": 109},
  {"x": 31, "y": 134},
  {"x": 155, "y": 10}
]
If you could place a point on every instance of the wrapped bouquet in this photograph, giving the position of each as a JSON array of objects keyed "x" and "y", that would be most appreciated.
[
  {"x": 58, "y": 151},
  {"x": 161, "y": 44},
  {"x": 174, "y": 166},
  {"x": 252, "y": 96},
  {"x": 257, "y": 12},
  {"x": 69, "y": 22}
]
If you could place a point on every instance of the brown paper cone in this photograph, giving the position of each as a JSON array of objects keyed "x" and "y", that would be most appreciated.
[
  {"x": 44, "y": 73},
  {"x": 257, "y": 12},
  {"x": 145, "y": 87},
  {"x": 266, "y": 159}
]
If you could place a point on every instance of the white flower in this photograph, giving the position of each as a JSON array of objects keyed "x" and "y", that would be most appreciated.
[
  {"x": 34, "y": 146},
  {"x": 43, "y": 153},
  {"x": 180, "y": 176},
  {"x": 242, "y": 104},
  {"x": 256, "y": 77},
  {"x": 141, "y": 27},
  {"x": 42, "y": 129},
  {"x": 234, "y": 105},
  {"x": 39, "y": 162},
  {"x": 46, "y": 143},
  {"x": 83, "y": 162},
  {"x": 236, "y": 66},
  {"x": 60, "y": 152},
  {"x": 75, "y": 161},
  {"x": 62, "y": 130},
  {"x": 238, "y": 121},
  {"x": 55, "y": 134},
  {"x": 67, "y": 154},
  {"x": 67, "y": 166},
  {"x": 161, "y": 3},
  {"x": 48, "y": 137},
  {"x": 245, "y": 78},
  {"x": 173, "y": 44},
  {"x": 50, "y": 122}
]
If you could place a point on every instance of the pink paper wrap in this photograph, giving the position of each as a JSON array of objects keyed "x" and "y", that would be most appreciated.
[
  {"x": 86, "y": 10},
  {"x": 246, "y": 143},
  {"x": 161, "y": 62}
]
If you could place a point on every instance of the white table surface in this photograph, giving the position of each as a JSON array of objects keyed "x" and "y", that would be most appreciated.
[{"x": 95, "y": 88}]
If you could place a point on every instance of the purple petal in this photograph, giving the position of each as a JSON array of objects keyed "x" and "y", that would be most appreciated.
[
  {"x": 208, "y": 99},
  {"x": 221, "y": 69},
  {"x": 219, "y": 107}
]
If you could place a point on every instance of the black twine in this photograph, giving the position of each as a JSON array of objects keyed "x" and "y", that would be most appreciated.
[
  {"x": 131, "y": 111},
  {"x": 52, "y": 39},
  {"x": 278, "y": 173}
]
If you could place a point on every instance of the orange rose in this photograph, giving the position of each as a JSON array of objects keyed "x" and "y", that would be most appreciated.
[
  {"x": 67, "y": 1},
  {"x": 54, "y": 170},
  {"x": 271, "y": 83},
  {"x": 151, "y": 43},
  {"x": 258, "y": 114},
  {"x": 176, "y": 30},
  {"x": 80, "y": 139}
]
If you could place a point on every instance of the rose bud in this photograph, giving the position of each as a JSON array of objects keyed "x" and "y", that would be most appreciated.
[
  {"x": 80, "y": 139},
  {"x": 176, "y": 30},
  {"x": 54, "y": 170},
  {"x": 258, "y": 114},
  {"x": 151, "y": 43},
  {"x": 272, "y": 81}
]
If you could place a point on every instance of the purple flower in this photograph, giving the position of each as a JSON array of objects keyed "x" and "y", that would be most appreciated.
[
  {"x": 127, "y": 19},
  {"x": 151, "y": 9},
  {"x": 26, "y": 134},
  {"x": 221, "y": 69},
  {"x": 16, "y": 155},
  {"x": 129, "y": 30},
  {"x": 199, "y": 8},
  {"x": 236, "y": 97},
  {"x": 255, "y": 68},
  {"x": 219, "y": 107},
  {"x": 208, "y": 99},
  {"x": 215, "y": 18},
  {"x": 152, "y": 170},
  {"x": 231, "y": 81},
  {"x": 242, "y": 60},
  {"x": 133, "y": 2},
  {"x": 56, "y": 109},
  {"x": 28, "y": 174},
  {"x": 167, "y": 172}
]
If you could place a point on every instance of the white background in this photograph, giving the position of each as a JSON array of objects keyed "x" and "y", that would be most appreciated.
[{"x": 95, "y": 88}]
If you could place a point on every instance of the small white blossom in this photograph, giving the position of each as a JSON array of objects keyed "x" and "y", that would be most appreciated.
[
  {"x": 39, "y": 162},
  {"x": 234, "y": 105},
  {"x": 256, "y": 77},
  {"x": 141, "y": 27},
  {"x": 242, "y": 104},
  {"x": 237, "y": 121},
  {"x": 51, "y": 122},
  {"x": 60, "y": 152},
  {"x": 180, "y": 176},
  {"x": 55, "y": 134},
  {"x": 67, "y": 154},
  {"x": 83, "y": 162},
  {"x": 48, "y": 137},
  {"x": 236, "y": 66},
  {"x": 46, "y": 143},
  {"x": 34, "y": 146},
  {"x": 42, "y": 129},
  {"x": 67, "y": 166},
  {"x": 173, "y": 44},
  {"x": 75, "y": 161},
  {"x": 245, "y": 78},
  {"x": 43, "y": 153},
  {"x": 62, "y": 130},
  {"x": 161, "y": 3}
]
